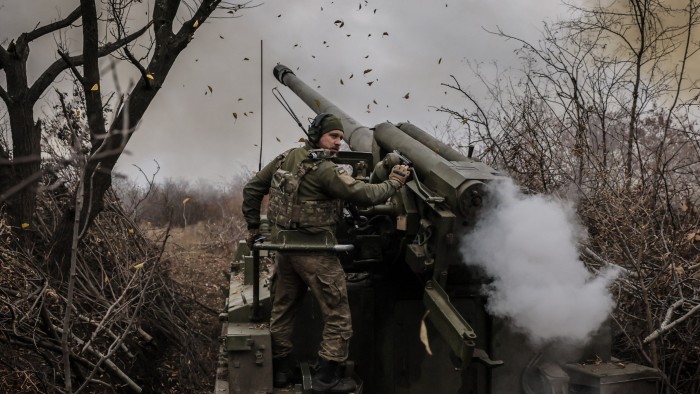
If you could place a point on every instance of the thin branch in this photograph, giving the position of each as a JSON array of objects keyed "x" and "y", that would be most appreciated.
[
  {"x": 666, "y": 327},
  {"x": 51, "y": 27},
  {"x": 59, "y": 66},
  {"x": 72, "y": 67},
  {"x": 144, "y": 74}
]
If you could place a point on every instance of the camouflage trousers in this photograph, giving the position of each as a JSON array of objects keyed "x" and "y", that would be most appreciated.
[{"x": 324, "y": 275}]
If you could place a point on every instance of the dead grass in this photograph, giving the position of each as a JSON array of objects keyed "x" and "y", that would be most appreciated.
[{"x": 198, "y": 260}]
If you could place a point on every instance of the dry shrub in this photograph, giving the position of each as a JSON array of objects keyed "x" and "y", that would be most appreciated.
[{"x": 125, "y": 311}]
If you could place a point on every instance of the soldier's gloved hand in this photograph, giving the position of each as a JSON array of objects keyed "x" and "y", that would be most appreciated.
[
  {"x": 253, "y": 233},
  {"x": 400, "y": 173}
]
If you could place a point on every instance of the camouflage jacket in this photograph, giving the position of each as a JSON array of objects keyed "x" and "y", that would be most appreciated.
[{"x": 326, "y": 182}]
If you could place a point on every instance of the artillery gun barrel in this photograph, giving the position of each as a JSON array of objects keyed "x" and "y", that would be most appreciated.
[
  {"x": 431, "y": 142},
  {"x": 450, "y": 175},
  {"x": 358, "y": 136}
]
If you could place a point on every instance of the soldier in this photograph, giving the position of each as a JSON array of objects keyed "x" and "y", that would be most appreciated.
[{"x": 307, "y": 191}]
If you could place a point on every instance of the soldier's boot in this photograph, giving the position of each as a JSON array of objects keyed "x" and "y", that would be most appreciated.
[
  {"x": 282, "y": 371},
  {"x": 326, "y": 379}
]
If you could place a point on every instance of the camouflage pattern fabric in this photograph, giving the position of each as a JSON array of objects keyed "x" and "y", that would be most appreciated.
[
  {"x": 327, "y": 182},
  {"x": 324, "y": 275}
]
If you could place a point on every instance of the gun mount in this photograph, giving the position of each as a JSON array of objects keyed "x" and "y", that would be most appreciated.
[{"x": 405, "y": 270}]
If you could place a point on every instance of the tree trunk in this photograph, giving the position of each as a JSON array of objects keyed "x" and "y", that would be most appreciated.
[
  {"x": 98, "y": 171},
  {"x": 26, "y": 146}
]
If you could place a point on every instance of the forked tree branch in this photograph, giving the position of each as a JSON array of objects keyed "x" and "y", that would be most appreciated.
[
  {"x": 52, "y": 27},
  {"x": 57, "y": 67}
]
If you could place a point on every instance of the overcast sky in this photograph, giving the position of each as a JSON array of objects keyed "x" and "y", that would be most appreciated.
[{"x": 194, "y": 135}]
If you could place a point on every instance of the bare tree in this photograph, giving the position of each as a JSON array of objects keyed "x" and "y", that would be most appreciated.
[{"x": 107, "y": 143}]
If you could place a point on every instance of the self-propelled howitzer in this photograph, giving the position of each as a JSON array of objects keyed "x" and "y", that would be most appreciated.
[{"x": 419, "y": 318}]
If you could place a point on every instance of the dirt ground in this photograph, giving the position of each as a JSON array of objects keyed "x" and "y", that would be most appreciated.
[{"x": 199, "y": 258}]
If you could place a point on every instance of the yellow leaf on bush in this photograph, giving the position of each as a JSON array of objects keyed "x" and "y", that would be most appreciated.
[
  {"x": 149, "y": 76},
  {"x": 196, "y": 24},
  {"x": 131, "y": 230},
  {"x": 106, "y": 279},
  {"x": 185, "y": 201},
  {"x": 138, "y": 266},
  {"x": 95, "y": 87},
  {"x": 25, "y": 225}
]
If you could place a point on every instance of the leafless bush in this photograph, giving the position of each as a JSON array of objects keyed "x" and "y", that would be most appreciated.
[{"x": 598, "y": 114}]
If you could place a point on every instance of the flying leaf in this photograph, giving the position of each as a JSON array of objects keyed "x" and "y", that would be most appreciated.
[
  {"x": 341, "y": 82},
  {"x": 220, "y": 36},
  {"x": 138, "y": 266},
  {"x": 185, "y": 201},
  {"x": 149, "y": 76},
  {"x": 374, "y": 101},
  {"x": 406, "y": 96},
  {"x": 240, "y": 99},
  {"x": 296, "y": 45},
  {"x": 366, "y": 71},
  {"x": 210, "y": 89},
  {"x": 95, "y": 87},
  {"x": 246, "y": 59},
  {"x": 318, "y": 103},
  {"x": 369, "y": 35},
  {"x": 439, "y": 60},
  {"x": 351, "y": 75},
  {"x": 339, "y": 23},
  {"x": 279, "y": 16},
  {"x": 360, "y": 7},
  {"x": 324, "y": 43},
  {"x": 235, "y": 116},
  {"x": 370, "y": 83},
  {"x": 366, "y": 56},
  {"x": 375, "y": 10},
  {"x": 348, "y": 35},
  {"x": 25, "y": 226},
  {"x": 385, "y": 34},
  {"x": 196, "y": 24},
  {"x": 278, "y": 140}
]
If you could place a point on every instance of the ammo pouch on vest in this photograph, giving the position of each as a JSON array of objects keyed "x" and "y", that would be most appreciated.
[{"x": 285, "y": 209}]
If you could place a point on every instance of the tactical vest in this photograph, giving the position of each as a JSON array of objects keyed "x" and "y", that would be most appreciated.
[{"x": 287, "y": 211}]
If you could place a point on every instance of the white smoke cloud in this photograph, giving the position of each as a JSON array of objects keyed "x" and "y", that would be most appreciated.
[{"x": 527, "y": 244}]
